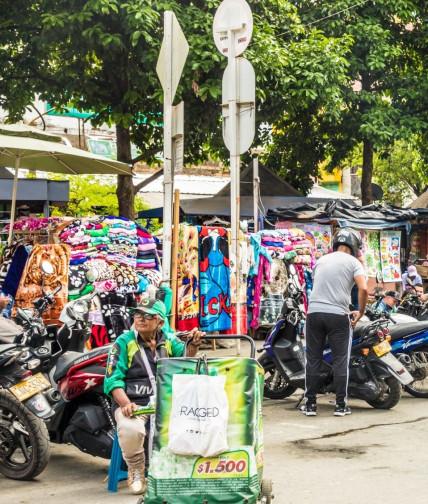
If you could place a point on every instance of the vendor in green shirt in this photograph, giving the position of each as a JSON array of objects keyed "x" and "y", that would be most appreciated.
[{"x": 131, "y": 367}]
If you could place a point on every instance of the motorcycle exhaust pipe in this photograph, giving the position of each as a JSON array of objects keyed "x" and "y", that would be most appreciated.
[
  {"x": 53, "y": 395},
  {"x": 405, "y": 359}
]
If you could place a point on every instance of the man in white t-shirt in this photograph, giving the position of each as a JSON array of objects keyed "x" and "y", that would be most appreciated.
[{"x": 329, "y": 316}]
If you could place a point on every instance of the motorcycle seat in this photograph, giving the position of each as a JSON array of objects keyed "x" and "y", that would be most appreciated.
[
  {"x": 359, "y": 328},
  {"x": 406, "y": 330},
  {"x": 70, "y": 359}
]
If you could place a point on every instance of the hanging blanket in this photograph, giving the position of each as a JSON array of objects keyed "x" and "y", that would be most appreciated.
[
  {"x": 16, "y": 268},
  {"x": 115, "y": 310},
  {"x": 187, "y": 279},
  {"x": 7, "y": 257},
  {"x": 214, "y": 279},
  {"x": 30, "y": 286},
  {"x": 272, "y": 293}
]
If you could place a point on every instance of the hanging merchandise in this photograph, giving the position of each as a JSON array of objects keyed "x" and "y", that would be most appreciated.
[
  {"x": 115, "y": 311},
  {"x": 8, "y": 253},
  {"x": 371, "y": 252},
  {"x": 187, "y": 278},
  {"x": 390, "y": 255},
  {"x": 319, "y": 235},
  {"x": 243, "y": 271},
  {"x": 214, "y": 279},
  {"x": 30, "y": 286},
  {"x": 14, "y": 273},
  {"x": 272, "y": 293}
]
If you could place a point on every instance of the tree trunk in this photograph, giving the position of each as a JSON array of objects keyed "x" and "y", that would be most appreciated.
[
  {"x": 366, "y": 179},
  {"x": 125, "y": 187}
]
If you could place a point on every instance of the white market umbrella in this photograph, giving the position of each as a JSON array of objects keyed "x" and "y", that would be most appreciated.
[{"x": 23, "y": 146}]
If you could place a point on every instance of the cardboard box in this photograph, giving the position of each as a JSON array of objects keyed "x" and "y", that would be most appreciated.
[{"x": 422, "y": 270}]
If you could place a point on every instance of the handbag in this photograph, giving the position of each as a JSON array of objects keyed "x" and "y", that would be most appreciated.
[{"x": 199, "y": 413}]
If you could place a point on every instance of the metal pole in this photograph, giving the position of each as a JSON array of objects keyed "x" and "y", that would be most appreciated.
[
  {"x": 256, "y": 182},
  {"x": 13, "y": 206},
  {"x": 175, "y": 258},
  {"x": 167, "y": 152},
  {"x": 234, "y": 179}
]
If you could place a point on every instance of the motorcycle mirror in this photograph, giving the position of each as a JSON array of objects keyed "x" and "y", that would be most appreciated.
[
  {"x": 46, "y": 267},
  {"x": 379, "y": 277},
  {"x": 409, "y": 281}
]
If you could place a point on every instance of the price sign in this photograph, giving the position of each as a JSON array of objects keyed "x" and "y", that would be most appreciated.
[{"x": 226, "y": 465}]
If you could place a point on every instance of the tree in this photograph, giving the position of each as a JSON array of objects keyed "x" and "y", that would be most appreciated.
[
  {"x": 91, "y": 195},
  {"x": 385, "y": 98},
  {"x": 101, "y": 55}
]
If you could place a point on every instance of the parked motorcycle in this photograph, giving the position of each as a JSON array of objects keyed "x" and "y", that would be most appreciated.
[
  {"x": 409, "y": 342},
  {"x": 24, "y": 439},
  {"x": 80, "y": 412},
  {"x": 375, "y": 374}
]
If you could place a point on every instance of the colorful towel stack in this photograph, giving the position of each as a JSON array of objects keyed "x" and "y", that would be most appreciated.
[
  {"x": 104, "y": 255},
  {"x": 146, "y": 250},
  {"x": 122, "y": 236},
  {"x": 87, "y": 239}
]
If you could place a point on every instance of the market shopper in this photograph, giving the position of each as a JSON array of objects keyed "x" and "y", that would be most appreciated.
[
  {"x": 329, "y": 316},
  {"x": 8, "y": 329},
  {"x": 130, "y": 375},
  {"x": 411, "y": 274}
]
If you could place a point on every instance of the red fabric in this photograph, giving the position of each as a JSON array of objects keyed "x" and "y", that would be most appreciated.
[{"x": 233, "y": 311}]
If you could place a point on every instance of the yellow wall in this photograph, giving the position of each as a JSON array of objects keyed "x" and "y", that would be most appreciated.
[{"x": 336, "y": 176}]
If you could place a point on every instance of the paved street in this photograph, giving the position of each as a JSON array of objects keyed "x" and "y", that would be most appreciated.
[{"x": 370, "y": 456}]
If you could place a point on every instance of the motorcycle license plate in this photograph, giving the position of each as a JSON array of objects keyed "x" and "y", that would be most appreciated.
[
  {"x": 29, "y": 387},
  {"x": 382, "y": 348}
]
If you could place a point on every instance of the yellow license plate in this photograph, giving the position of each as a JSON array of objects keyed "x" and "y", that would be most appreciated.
[
  {"x": 382, "y": 348},
  {"x": 29, "y": 387}
]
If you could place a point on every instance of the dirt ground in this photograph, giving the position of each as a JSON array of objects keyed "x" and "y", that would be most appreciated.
[{"x": 370, "y": 456}]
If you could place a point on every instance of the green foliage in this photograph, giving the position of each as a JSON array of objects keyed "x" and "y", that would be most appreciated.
[
  {"x": 388, "y": 60},
  {"x": 91, "y": 195},
  {"x": 102, "y": 54}
]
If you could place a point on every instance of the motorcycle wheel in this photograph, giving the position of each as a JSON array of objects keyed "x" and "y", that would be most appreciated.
[
  {"x": 282, "y": 389},
  {"x": 390, "y": 396},
  {"x": 419, "y": 388},
  {"x": 24, "y": 440}
]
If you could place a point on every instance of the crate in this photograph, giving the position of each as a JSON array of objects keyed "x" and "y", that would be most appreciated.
[{"x": 422, "y": 270}]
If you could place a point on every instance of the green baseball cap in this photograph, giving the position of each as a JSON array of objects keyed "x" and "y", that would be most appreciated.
[{"x": 152, "y": 306}]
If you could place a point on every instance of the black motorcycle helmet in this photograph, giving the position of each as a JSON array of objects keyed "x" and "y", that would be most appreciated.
[{"x": 349, "y": 237}]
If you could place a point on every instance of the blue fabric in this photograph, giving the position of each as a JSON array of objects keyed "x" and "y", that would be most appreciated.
[
  {"x": 256, "y": 240},
  {"x": 16, "y": 268},
  {"x": 214, "y": 280}
]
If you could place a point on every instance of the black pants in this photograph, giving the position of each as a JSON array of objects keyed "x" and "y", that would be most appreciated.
[{"x": 337, "y": 328}]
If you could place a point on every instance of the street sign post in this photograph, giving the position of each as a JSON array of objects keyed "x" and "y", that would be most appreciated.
[
  {"x": 172, "y": 57},
  {"x": 232, "y": 30}
]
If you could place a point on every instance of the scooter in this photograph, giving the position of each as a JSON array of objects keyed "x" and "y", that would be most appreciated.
[{"x": 375, "y": 374}]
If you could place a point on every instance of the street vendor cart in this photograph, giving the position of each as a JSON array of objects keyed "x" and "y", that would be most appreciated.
[{"x": 234, "y": 476}]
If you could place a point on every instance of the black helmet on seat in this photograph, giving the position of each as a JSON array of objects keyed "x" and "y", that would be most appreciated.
[{"x": 349, "y": 237}]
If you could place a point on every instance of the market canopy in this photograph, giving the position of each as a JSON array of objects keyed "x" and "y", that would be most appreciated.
[
  {"x": 23, "y": 146},
  {"x": 347, "y": 214}
]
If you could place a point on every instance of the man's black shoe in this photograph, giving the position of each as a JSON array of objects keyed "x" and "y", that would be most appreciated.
[
  {"x": 309, "y": 410},
  {"x": 342, "y": 410}
]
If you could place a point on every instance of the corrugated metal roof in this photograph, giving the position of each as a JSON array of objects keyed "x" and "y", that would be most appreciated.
[{"x": 187, "y": 184}]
